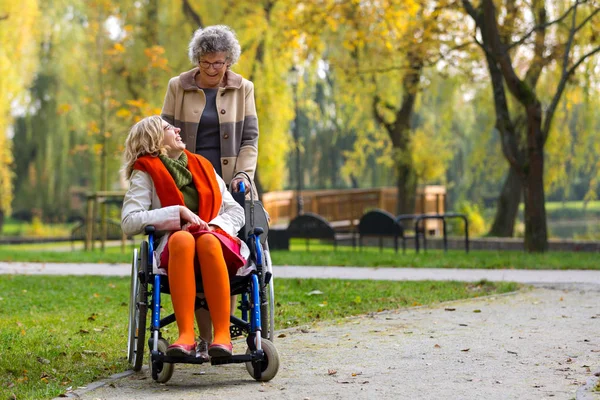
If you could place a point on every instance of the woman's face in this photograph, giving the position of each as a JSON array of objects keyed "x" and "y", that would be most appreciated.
[
  {"x": 212, "y": 69},
  {"x": 172, "y": 141}
]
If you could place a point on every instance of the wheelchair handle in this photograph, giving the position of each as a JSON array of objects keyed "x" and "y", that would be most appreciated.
[
  {"x": 149, "y": 229},
  {"x": 242, "y": 187}
]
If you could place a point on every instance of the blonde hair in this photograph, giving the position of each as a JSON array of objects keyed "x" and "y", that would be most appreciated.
[{"x": 144, "y": 138}]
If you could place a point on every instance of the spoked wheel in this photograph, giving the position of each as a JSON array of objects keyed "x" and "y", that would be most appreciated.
[
  {"x": 266, "y": 314},
  {"x": 138, "y": 309},
  {"x": 267, "y": 309},
  {"x": 268, "y": 366},
  {"x": 161, "y": 371}
]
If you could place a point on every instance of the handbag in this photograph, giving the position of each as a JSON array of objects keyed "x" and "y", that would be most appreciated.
[{"x": 256, "y": 215}]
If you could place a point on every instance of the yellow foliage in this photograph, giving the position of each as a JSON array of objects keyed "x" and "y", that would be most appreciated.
[
  {"x": 63, "y": 109},
  {"x": 123, "y": 113},
  {"x": 18, "y": 48}
]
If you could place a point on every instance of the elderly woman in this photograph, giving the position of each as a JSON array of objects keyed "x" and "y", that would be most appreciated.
[
  {"x": 196, "y": 219},
  {"x": 214, "y": 108}
]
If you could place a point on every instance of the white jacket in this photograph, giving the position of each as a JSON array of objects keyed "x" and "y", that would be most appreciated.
[{"x": 141, "y": 207}]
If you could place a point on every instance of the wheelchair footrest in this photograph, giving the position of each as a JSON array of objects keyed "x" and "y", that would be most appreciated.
[{"x": 235, "y": 359}]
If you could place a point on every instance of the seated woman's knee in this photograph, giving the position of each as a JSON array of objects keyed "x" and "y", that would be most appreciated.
[
  {"x": 208, "y": 243},
  {"x": 181, "y": 239}
]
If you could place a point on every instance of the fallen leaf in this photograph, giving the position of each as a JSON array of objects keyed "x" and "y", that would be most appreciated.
[
  {"x": 43, "y": 360},
  {"x": 331, "y": 372},
  {"x": 512, "y": 352},
  {"x": 463, "y": 325},
  {"x": 281, "y": 335},
  {"x": 466, "y": 349},
  {"x": 449, "y": 309},
  {"x": 84, "y": 331},
  {"x": 437, "y": 346},
  {"x": 314, "y": 292},
  {"x": 477, "y": 311}
]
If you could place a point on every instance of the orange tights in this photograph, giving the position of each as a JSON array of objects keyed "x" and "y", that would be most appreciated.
[{"x": 182, "y": 250}]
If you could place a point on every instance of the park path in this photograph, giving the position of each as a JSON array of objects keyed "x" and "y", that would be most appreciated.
[
  {"x": 397, "y": 274},
  {"x": 538, "y": 343}
]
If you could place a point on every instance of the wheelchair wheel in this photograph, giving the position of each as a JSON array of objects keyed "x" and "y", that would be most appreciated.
[
  {"x": 267, "y": 310},
  {"x": 269, "y": 366},
  {"x": 138, "y": 309},
  {"x": 133, "y": 287},
  {"x": 161, "y": 370}
]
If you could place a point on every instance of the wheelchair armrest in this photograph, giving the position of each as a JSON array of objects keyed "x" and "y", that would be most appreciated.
[{"x": 149, "y": 229}]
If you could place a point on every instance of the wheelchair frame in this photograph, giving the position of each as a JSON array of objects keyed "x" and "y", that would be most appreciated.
[{"x": 256, "y": 304}]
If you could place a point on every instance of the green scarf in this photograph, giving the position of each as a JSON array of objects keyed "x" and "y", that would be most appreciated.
[{"x": 183, "y": 179}]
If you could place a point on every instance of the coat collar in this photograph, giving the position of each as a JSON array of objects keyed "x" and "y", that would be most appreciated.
[{"x": 231, "y": 80}]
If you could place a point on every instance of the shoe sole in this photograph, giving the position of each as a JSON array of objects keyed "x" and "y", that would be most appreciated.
[
  {"x": 176, "y": 352},
  {"x": 217, "y": 352}
]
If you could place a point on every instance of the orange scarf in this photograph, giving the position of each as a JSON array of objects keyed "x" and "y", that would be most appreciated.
[{"x": 203, "y": 176}]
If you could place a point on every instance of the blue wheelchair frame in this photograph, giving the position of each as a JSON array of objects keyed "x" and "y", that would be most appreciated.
[{"x": 253, "y": 295}]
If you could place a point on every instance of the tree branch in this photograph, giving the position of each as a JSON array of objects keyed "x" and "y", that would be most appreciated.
[
  {"x": 561, "y": 87},
  {"x": 189, "y": 11},
  {"x": 545, "y": 25},
  {"x": 3, "y": 17},
  {"x": 587, "y": 19}
]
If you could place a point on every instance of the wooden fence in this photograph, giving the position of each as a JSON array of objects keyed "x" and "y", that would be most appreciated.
[{"x": 347, "y": 206}]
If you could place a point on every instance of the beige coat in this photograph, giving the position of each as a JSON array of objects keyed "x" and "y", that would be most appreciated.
[
  {"x": 141, "y": 207},
  {"x": 183, "y": 107}
]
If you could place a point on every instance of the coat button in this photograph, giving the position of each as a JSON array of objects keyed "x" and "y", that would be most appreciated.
[
  {"x": 225, "y": 136},
  {"x": 225, "y": 162},
  {"x": 223, "y": 111}
]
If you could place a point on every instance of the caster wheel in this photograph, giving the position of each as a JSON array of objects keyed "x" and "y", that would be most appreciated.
[
  {"x": 268, "y": 366},
  {"x": 161, "y": 371}
]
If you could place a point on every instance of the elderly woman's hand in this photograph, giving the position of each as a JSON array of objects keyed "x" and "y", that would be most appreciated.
[
  {"x": 189, "y": 219},
  {"x": 235, "y": 184}
]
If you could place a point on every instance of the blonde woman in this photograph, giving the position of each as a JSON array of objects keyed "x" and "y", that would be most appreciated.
[{"x": 196, "y": 219}]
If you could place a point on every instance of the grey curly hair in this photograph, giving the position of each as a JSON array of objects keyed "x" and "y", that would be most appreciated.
[{"x": 214, "y": 39}]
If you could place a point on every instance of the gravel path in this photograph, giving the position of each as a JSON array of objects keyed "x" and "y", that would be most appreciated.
[{"x": 540, "y": 343}]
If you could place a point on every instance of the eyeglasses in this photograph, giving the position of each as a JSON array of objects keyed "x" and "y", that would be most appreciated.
[
  {"x": 169, "y": 127},
  {"x": 216, "y": 65}
]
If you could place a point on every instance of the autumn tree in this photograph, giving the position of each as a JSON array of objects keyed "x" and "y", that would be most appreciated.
[
  {"x": 18, "y": 48},
  {"x": 568, "y": 39}
]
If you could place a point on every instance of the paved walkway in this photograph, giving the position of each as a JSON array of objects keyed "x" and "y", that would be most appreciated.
[
  {"x": 394, "y": 274},
  {"x": 539, "y": 343}
]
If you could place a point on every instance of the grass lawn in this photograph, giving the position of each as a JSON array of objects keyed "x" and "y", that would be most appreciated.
[
  {"x": 323, "y": 255},
  {"x": 61, "y": 332}
]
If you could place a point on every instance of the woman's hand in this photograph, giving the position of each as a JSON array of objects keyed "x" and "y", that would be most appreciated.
[
  {"x": 235, "y": 184},
  {"x": 189, "y": 219}
]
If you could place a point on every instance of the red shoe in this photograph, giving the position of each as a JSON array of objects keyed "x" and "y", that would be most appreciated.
[
  {"x": 182, "y": 350},
  {"x": 220, "y": 350}
]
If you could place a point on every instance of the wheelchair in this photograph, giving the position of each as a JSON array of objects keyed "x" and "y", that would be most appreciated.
[{"x": 256, "y": 302}]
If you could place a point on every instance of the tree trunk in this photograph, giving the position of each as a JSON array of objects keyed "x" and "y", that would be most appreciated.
[
  {"x": 536, "y": 230},
  {"x": 508, "y": 205},
  {"x": 1, "y": 221},
  {"x": 406, "y": 183}
]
